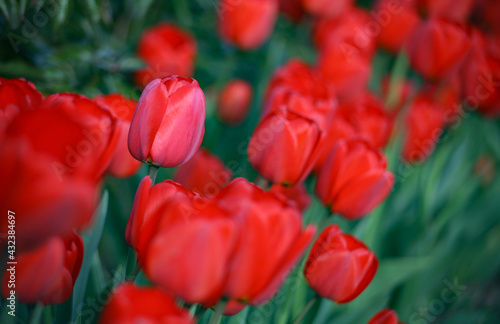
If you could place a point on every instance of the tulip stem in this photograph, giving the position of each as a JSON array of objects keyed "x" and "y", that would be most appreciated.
[
  {"x": 47, "y": 314},
  {"x": 36, "y": 316},
  {"x": 153, "y": 172},
  {"x": 217, "y": 314},
  {"x": 306, "y": 309}
]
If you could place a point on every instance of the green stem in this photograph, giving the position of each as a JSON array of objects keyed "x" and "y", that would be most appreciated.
[
  {"x": 306, "y": 309},
  {"x": 47, "y": 314},
  {"x": 217, "y": 314},
  {"x": 153, "y": 172},
  {"x": 36, "y": 316}
]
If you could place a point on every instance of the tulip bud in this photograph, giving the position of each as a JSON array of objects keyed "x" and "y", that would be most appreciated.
[
  {"x": 285, "y": 146},
  {"x": 327, "y": 8},
  {"x": 339, "y": 266},
  {"x": 132, "y": 304},
  {"x": 48, "y": 273},
  {"x": 168, "y": 124},
  {"x": 247, "y": 23},
  {"x": 234, "y": 102},
  {"x": 122, "y": 163},
  {"x": 167, "y": 50},
  {"x": 385, "y": 316},
  {"x": 354, "y": 179}
]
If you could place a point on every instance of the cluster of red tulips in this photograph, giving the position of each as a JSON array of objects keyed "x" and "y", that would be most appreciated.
[{"x": 203, "y": 238}]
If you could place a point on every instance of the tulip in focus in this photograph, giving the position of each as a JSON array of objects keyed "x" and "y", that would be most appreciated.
[
  {"x": 234, "y": 102},
  {"x": 131, "y": 304},
  {"x": 122, "y": 163},
  {"x": 285, "y": 146},
  {"x": 385, "y": 316},
  {"x": 47, "y": 274},
  {"x": 339, "y": 266},
  {"x": 167, "y": 50},
  {"x": 204, "y": 174},
  {"x": 354, "y": 179},
  {"x": 247, "y": 23},
  {"x": 168, "y": 124}
]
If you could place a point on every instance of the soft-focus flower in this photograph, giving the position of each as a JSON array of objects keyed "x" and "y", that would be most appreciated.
[
  {"x": 122, "y": 163},
  {"x": 292, "y": 9},
  {"x": 205, "y": 173},
  {"x": 327, "y": 8},
  {"x": 385, "y": 316},
  {"x": 487, "y": 13},
  {"x": 302, "y": 90},
  {"x": 354, "y": 179},
  {"x": 424, "y": 124},
  {"x": 455, "y": 10},
  {"x": 15, "y": 95},
  {"x": 397, "y": 19},
  {"x": 48, "y": 273},
  {"x": 131, "y": 304},
  {"x": 298, "y": 194},
  {"x": 436, "y": 47},
  {"x": 234, "y": 102},
  {"x": 339, "y": 266},
  {"x": 168, "y": 124},
  {"x": 247, "y": 23},
  {"x": 285, "y": 146},
  {"x": 167, "y": 50},
  {"x": 270, "y": 240},
  {"x": 183, "y": 241}
]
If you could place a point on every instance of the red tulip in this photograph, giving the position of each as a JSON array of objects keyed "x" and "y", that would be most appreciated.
[
  {"x": 285, "y": 146},
  {"x": 47, "y": 274},
  {"x": 436, "y": 47},
  {"x": 292, "y": 9},
  {"x": 130, "y": 304},
  {"x": 168, "y": 124},
  {"x": 397, "y": 20},
  {"x": 450, "y": 9},
  {"x": 302, "y": 90},
  {"x": 346, "y": 68},
  {"x": 270, "y": 241},
  {"x": 205, "y": 174},
  {"x": 167, "y": 50},
  {"x": 354, "y": 179},
  {"x": 327, "y": 8},
  {"x": 339, "y": 266},
  {"x": 247, "y": 23},
  {"x": 234, "y": 102},
  {"x": 122, "y": 163},
  {"x": 298, "y": 194},
  {"x": 16, "y": 95},
  {"x": 183, "y": 241},
  {"x": 487, "y": 13},
  {"x": 385, "y": 316},
  {"x": 424, "y": 124}
]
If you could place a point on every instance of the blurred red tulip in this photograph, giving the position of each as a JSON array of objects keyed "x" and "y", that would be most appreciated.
[
  {"x": 354, "y": 179},
  {"x": 270, "y": 241},
  {"x": 168, "y": 124},
  {"x": 205, "y": 173},
  {"x": 123, "y": 164},
  {"x": 15, "y": 95},
  {"x": 131, "y": 304},
  {"x": 303, "y": 91},
  {"x": 327, "y": 8},
  {"x": 167, "y": 50},
  {"x": 247, "y": 23},
  {"x": 234, "y": 102},
  {"x": 385, "y": 316},
  {"x": 298, "y": 194},
  {"x": 455, "y": 10},
  {"x": 447, "y": 98},
  {"x": 339, "y": 266},
  {"x": 170, "y": 225},
  {"x": 285, "y": 146},
  {"x": 397, "y": 20},
  {"x": 487, "y": 13},
  {"x": 424, "y": 124},
  {"x": 350, "y": 32},
  {"x": 47, "y": 274},
  {"x": 436, "y": 47},
  {"x": 346, "y": 68},
  {"x": 292, "y": 9}
]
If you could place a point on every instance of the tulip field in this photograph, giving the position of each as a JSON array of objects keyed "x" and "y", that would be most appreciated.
[{"x": 250, "y": 161}]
